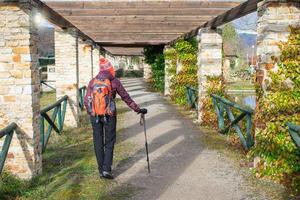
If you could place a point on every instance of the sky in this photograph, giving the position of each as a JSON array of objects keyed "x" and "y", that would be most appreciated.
[{"x": 246, "y": 24}]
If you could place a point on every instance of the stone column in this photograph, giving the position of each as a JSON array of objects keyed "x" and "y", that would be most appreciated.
[
  {"x": 67, "y": 69},
  {"x": 168, "y": 77},
  {"x": 147, "y": 71},
  {"x": 85, "y": 62},
  {"x": 20, "y": 88},
  {"x": 96, "y": 57},
  {"x": 209, "y": 61},
  {"x": 274, "y": 19},
  {"x": 178, "y": 66}
]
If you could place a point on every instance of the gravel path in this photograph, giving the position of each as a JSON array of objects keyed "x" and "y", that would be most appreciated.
[{"x": 183, "y": 168}]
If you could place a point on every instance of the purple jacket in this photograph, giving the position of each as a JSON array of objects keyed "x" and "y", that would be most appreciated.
[{"x": 117, "y": 87}]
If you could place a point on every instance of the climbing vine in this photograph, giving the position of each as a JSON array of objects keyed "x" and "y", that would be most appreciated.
[
  {"x": 155, "y": 58},
  {"x": 280, "y": 103},
  {"x": 214, "y": 85},
  {"x": 183, "y": 55}
]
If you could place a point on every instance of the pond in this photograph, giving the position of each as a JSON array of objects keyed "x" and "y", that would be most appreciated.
[{"x": 245, "y": 99}]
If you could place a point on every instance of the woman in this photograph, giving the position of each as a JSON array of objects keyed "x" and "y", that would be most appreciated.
[{"x": 106, "y": 123}]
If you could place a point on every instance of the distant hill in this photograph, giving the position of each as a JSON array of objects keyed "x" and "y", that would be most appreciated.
[
  {"x": 248, "y": 39},
  {"x": 46, "y": 41}
]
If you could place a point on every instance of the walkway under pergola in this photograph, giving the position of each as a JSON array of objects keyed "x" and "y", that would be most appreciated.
[
  {"x": 135, "y": 24},
  {"x": 86, "y": 31}
]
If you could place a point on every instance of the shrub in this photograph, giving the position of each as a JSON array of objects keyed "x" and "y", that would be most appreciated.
[{"x": 184, "y": 52}]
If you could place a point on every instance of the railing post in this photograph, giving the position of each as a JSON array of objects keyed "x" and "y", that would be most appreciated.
[{"x": 19, "y": 87}]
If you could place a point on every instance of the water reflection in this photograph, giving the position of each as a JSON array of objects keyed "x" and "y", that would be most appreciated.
[
  {"x": 250, "y": 101},
  {"x": 246, "y": 100}
]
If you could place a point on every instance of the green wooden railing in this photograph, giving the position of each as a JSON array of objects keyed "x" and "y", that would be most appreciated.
[
  {"x": 7, "y": 132},
  {"x": 223, "y": 106},
  {"x": 56, "y": 121},
  {"x": 82, "y": 92},
  {"x": 192, "y": 97},
  {"x": 295, "y": 133}
]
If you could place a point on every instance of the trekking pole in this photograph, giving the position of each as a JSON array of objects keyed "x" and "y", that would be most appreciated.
[{"x": 143, "y": 122}]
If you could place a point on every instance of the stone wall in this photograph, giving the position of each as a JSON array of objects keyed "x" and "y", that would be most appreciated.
[
  {"x": 19, "y": 88},
  {"x": 67, "y": 69},
  {"x": 209, "y": 60}
]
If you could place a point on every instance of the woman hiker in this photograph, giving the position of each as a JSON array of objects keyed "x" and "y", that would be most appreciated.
[{"x": 100, "y": 105}]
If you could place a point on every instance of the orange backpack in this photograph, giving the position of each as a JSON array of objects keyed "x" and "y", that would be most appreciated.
[{"x": 102, "y": 99}]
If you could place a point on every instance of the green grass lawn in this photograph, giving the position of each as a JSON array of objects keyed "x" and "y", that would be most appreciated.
[
  {"x": 240, "y": 85},
  {"x": 69, "y": 168}
]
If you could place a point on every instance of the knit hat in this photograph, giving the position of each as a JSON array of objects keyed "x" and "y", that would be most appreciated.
[{"x": 105, "y": 64}]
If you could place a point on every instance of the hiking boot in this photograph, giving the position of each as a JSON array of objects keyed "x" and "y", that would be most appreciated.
[{"x": 107, "y": 175}]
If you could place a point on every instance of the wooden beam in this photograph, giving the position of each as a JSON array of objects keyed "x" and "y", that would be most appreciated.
[
  {"x": 143, "y": 12},
  {"x": 98, "y": 24},
  {"x": 121, "y": 51},
  {"x": 131, "y": 43},
  {"x": 137, "y": 29},
  {"x": 133, "y": 37},
  {"x": 243, "y": 9},
  {"x": 140, "y": 18},
  {"x": 140, "y": 4},
  {"x": 235, "y": 13}
]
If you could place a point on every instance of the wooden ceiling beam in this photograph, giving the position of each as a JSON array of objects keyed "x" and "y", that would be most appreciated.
[
  {"x": 143, "y": 12},
  {"x": 139, "y": 18},
  {"x": 128, "y": 43},
  {"x": 99, "y": 24},
  {"x": 133, "y": 37},
  {"x": 137, "y": 29},
  {"x": 139, "y": 4},
  {"x": 121, "y": 51}
]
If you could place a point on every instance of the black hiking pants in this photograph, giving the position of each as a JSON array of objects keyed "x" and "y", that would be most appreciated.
[{"x": 104, "y": 134}]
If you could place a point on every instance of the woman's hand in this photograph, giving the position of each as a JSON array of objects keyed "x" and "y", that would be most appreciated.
[{"x": 143, "y": 111}]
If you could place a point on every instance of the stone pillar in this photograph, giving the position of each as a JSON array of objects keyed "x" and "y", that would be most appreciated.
[
  {"x": 20, "y": 88},
  {"x": 274, "y": 19},
  {"x": 179, "y": 66},
  {"x": 96, "y": 57},
  {"x": 147, "y": 71},
  {"x": 209, "y": 61},
  {"x": 67, "y": 69},
  {"x": 168, "y": 65},
  {"x": 85, "y": 62}
]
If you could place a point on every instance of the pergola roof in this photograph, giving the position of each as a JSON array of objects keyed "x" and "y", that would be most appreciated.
[
  {"x": 125, "y": 51},
  {"x": 139, "y": 23}
]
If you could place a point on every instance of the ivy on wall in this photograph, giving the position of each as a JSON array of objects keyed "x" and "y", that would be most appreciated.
[
  {"x": 184, "y": 53},
  {"x": 155, "y": 58},
  {"x": 280, "y": 103}
]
